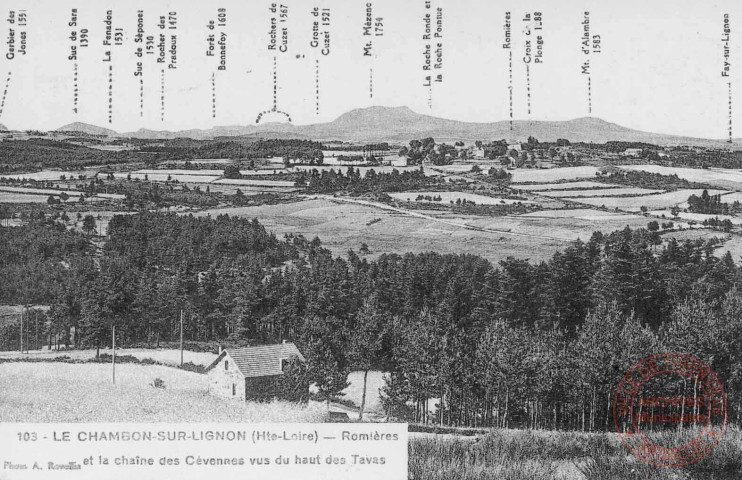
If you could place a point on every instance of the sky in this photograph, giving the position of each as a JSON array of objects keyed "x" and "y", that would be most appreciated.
[{"x": 659, "y": 68}]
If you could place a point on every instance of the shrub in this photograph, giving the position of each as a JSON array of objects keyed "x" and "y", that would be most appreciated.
[{"x": 158, "y": 383}]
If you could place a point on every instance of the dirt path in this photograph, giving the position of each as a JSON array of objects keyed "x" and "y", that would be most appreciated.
[{"x": 431, "y": 218}]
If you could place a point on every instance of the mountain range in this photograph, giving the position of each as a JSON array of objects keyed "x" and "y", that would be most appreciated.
[
  {"x": 401, "y": 124},
  {"x": 2, "y": 128}
]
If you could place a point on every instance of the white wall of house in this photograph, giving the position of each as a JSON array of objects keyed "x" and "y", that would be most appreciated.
[{"x": 225, "y": 380}]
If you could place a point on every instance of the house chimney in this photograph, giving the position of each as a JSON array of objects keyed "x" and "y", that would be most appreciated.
[{"x": 285, "y": 341}]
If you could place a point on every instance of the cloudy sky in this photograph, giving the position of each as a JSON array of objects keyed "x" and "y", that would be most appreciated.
[{"x": 659, "y": 69}]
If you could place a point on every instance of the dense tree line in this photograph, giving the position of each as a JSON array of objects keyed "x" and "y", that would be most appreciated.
[
  {"x": 541, "y": 345},
  {"x": 710, "y": 204},
  {"x": 236, "y": 149},
  {"x": 43, "y": 153},
  {"x": 639, "y": 178},
  {"x": 331, "y": 181}
]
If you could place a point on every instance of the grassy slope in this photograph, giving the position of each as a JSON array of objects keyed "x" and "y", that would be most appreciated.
[
  {"x": 60, "y": 392},
  {"x": 537, "y": 455}
]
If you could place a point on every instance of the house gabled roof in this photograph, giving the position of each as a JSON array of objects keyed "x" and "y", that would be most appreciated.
[{"x": 261, "y": 361}]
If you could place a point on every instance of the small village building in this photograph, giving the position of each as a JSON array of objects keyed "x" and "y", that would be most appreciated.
[
  {"x": 398, "y": 162},
  {"x": 515, "y": 146},
  {"x": 633, "y": 152},
  {"x": 250, "y": 373}
]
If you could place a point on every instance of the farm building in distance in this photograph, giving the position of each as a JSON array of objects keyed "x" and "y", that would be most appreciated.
[{"x": 250, "y": 373}]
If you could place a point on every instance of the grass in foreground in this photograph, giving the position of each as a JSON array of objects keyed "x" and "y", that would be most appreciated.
[
  {"x": 536, "y": 455},
  {"x": 61, "y": 392}
]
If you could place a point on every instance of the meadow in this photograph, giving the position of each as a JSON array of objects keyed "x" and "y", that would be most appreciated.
[
  {"x": 526, "y": 175},
  {"x": 607, "y": 192},
  {"x": 6, "y": 197},
  {"x": 45, "y": 175},
  {"x": 542, "y": 455},
  {"x": 165, "y": 356},
  {"x": 718, "y": 177},
  {"x": 162, "y": 176},
  {"x": 652, "y": 202},
  {"x": 171, "y": 358},
  {"x": 254, "y": 183},
  {"x": 64, "y": 392},
  {"x": 449, "y": 197},
  {"x": 567, "y": 186},
  {"x": 343, "y": 226}
]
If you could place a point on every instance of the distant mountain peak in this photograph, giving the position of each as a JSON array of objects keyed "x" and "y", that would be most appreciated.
[
  {"x": 377, "y": 113},
  {"x": 88, "y": 129},
  {"x": 3, "y": 128}
]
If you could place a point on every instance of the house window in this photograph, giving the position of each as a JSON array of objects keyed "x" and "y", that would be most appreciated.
[
  {"x": 226, "y": 364},
  {"x": 234, "y": 389},
  {"x": 284, "y": 364}
]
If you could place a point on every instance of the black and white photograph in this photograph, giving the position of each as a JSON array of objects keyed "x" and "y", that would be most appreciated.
[{"x": 328, "y": 239}]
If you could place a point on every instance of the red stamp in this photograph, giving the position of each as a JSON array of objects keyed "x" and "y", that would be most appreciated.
[{"x": 670, "y": 409}]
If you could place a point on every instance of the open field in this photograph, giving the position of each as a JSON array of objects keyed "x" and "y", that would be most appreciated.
[
  {"x": 697, "y": 217},
  {"x": 718, "y": 177},
  {"x": 733, "y": 246},
  {"x": 163, "y": 177},
  {"x": 451, "y": 197},
  {"x": 214, "y": 161},
  {"x": 73, "y": 194},
  {"x": 601, "y": 192},
  {"x": 165, "y": 356},
  {"x": 343, "y": 225},
  {"x": 175, "y": 171},
  {"x": 652, "y": 202},
  {"x": 210, "y": 172},
  {"x": 552, "y": 174},
  {"x": 585, "y": 214},
  {"x": 62, "y": 392},
  {"x": 10, "y": 197},
  {"x": 567, "y": 228},
  {"x": 254, "y": 183},
  {"x": 732, "y": 197},
  {"x": 567, "y": 186},
  {"x": 6, "y": 197},
  {"x": 542, "y": 455},
  {"x": 344, "y": 169},
  {"x": 44, "y": 175}
]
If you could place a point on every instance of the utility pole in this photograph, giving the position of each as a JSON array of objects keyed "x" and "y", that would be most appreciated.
[
  {"x": 113, "y": 335},
  {"x": 181, "y": 338}
]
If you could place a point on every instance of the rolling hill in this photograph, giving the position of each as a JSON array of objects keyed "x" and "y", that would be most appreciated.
[
  {"x": 3, "y": 128},
  {"x": 88, "y": 129},
  {"x": 401, "y": 124}
]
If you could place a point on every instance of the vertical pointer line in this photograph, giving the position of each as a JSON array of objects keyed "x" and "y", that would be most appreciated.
[
  {"x": 275, "y": 84},
  {"x": 162, "y": 95},
  {"x": 510, "y": 89},
  {"x": 141, "y": 97},
  {"x": 75, "y": 91},
  {"x": 589, "y": 95},
  {"x": 528, "y": 89},
  {"x": 213, "y": 95},
  {"x": 371, "y": 82},
  {"x": 730, "y": 112},
  {"x": 5, "y": 93},
  {"x": 316, "y": 85},
  {"x": 110, "y": 93}
]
